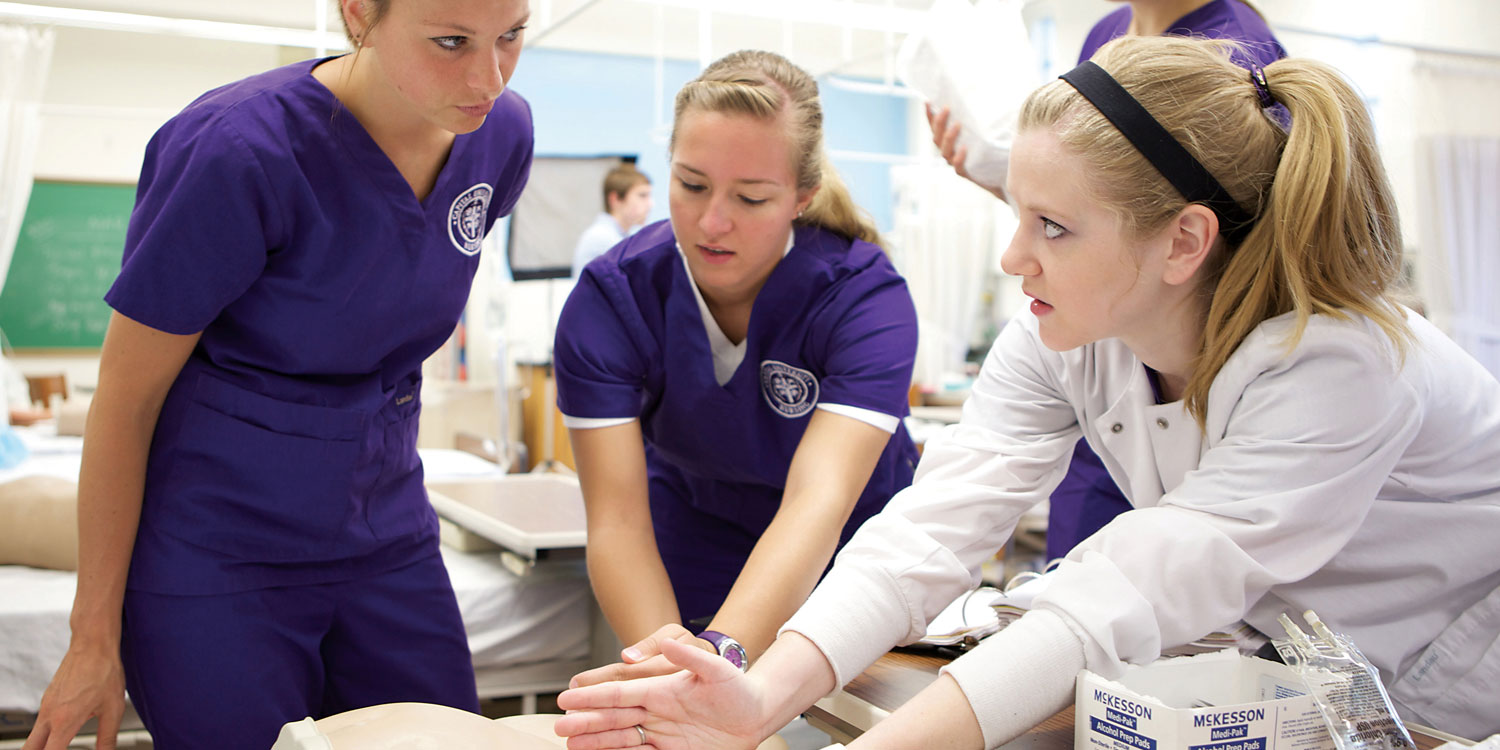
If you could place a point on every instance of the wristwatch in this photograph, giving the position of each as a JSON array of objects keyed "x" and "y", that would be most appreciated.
[{"x": 727, "y": 647}]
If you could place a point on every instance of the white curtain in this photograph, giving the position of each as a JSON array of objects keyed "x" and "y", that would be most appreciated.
[
  {"x": 1464, "y": 215},
  {"x": 944, "y": 243},
  {"x": 25, "y": 54}
]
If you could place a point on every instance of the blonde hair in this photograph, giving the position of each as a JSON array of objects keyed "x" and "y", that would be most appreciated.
[
  {"x": 377, "y": 11},
  {"x": 1326, "y": 238},
  {"x": 767, "y": 86}
]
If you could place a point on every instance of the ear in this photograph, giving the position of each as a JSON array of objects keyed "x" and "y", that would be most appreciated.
[
  {"x": 1192, "y": 235},
  {"x": 356, "y": 13},
  {"x": 805, "y": 198},
  {"x": 612, "y": 202}
]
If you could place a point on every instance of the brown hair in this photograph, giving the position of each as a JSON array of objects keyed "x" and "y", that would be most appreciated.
[
  {"x": 1326, "y": 238},
  {"x": 767, "y": 86},
  {"x": 621, "y": 180}
]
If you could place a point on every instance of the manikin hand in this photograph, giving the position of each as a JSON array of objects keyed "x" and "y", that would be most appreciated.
[
  {"x": 643, "y": 658},
  {"x": 708, "y": 705}
]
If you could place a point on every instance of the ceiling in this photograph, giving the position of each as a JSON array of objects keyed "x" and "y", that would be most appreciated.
[{"x": 856, "y": 37}]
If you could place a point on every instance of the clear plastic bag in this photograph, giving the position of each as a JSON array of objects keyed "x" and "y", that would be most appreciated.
[{"x": 1345, "y": 687}]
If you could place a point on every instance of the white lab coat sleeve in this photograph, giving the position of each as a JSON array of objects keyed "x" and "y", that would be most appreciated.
[
  {"x": 1299, "y": 445},
  {"x": 1020, "y": 676},
  {"x": 1010, "y": 448}
]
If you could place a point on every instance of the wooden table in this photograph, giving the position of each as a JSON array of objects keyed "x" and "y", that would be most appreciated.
[{"x": 899, "y": 675}]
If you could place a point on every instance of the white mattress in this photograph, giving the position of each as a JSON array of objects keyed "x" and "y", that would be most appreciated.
[{"x": 511, "y": 620}]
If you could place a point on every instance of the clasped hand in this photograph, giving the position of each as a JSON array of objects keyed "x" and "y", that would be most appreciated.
[{"x": 676, "y": 688}]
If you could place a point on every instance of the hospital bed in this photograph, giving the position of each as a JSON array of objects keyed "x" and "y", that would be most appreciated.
[{"x": 529, "y": 614}]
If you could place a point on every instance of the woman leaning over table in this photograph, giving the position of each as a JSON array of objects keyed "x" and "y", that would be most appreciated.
[
  {"x": 734, "y": 378},
  {"x": 1212, "y": 310}
]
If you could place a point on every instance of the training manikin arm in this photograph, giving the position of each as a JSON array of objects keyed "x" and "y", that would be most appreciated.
[
  {"x": 624, "y": 564},
  {"x": 830, "y": 469},
  {"x": 136, "y": 368}
]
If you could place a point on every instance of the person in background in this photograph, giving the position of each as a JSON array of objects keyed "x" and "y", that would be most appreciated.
[
  {"x": 1087, "y": 498},
  {"x": 16, "y": 395},
  {"x": 15, "y": 392},
  {"x": 734, "y": 379},
  {"x": 1212, "y": 309},
  {"x": 256, "y": 544},
  {"x": 627, "y": 203}
]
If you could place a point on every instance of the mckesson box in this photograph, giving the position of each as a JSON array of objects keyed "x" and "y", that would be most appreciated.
[{"x": 1214, "y": 701}]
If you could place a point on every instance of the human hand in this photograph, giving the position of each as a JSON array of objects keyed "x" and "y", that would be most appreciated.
[
  {"x": 707, "y": 704},
  {"x": 643, "y": 658},
  {"x": 90, "y": 682},
  {"x": 945, "y": 137}
]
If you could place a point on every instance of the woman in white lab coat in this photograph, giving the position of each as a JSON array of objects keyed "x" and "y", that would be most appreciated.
[{"x": 1213, "y": 311}]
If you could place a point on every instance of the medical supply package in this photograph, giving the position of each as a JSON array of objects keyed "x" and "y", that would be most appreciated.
[{"x": 1216, "y": 701}]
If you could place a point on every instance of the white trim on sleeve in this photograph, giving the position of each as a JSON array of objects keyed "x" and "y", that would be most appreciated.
[
  {"x": 594, "y": 423},
  {"x": 878, "y": 419}
]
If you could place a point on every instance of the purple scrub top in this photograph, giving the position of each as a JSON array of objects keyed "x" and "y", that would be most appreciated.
[
  {"x": 267, "y": 218},
  {"x": 1220, "y": 19},
  {"x": 834, "y": 324},
  {"x": 1088, "y": 498}
]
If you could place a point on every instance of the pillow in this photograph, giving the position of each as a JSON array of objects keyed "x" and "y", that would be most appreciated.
[{"x": 40, "y": 518}]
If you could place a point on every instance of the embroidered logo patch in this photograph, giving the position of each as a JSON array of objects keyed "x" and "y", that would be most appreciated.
[
  {"x": 466, "y": 218},
  {"x": 791, "y": 391}
]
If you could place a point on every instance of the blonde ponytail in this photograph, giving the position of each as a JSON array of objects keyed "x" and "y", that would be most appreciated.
[
  {"x": 835, "y": 210},
  {"x": 1328, "y": 241}
]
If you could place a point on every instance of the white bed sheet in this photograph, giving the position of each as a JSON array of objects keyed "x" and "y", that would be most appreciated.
[{"x": 511, "y": 620}]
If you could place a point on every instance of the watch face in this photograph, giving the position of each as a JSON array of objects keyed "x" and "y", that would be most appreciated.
[
  {"x": 727, "y": 647},
  {"x": 735, "y": 653}
]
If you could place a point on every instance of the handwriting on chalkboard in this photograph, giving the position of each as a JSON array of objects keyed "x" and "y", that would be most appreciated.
[{"x": 67, "y": 255}]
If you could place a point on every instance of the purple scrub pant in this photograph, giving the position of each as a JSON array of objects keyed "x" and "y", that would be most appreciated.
[{"x": 227, "y": 671}]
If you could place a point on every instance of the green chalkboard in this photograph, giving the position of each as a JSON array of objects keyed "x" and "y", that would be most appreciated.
[{"x": 67, "y": 256}]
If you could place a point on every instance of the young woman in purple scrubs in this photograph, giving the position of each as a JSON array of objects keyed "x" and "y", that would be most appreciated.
[
  {"x": 734, "y": 379},
  {"x": 256, "y": 545}
]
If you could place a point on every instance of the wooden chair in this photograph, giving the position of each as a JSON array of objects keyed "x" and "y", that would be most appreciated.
[{"x": 43, "y": 386}]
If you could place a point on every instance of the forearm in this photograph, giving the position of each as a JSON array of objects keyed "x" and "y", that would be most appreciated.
[
  {"x": 136, "y": 370},
  {"x": 1015, "y": 680},
  {"x": 781, "y": 571},
  {"x": 110, "y": 488},
  {"x": 631, "y": 584},
  {"x": 1018, "y": 677},
  {"x": 824, "y": 482},
  {"x": 799, "y": 676},
  {"x": 938, "y": 718}
]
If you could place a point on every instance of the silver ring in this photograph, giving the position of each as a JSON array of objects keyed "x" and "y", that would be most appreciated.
[{"x": 642, "y": 730}]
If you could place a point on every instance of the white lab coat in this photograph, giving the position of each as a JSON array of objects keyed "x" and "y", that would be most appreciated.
[{"x": 1326, "y": 479}]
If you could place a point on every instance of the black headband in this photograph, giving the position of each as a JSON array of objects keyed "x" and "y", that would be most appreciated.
[{"x": 1174, "y": 162}]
